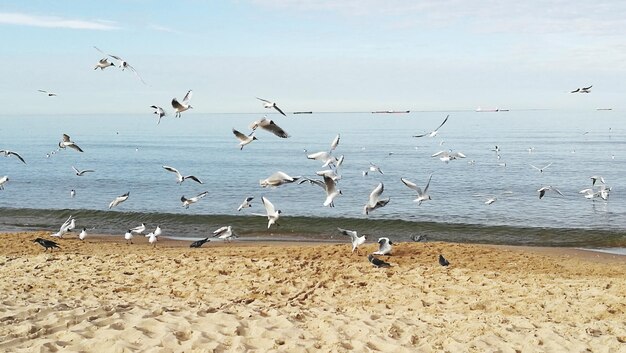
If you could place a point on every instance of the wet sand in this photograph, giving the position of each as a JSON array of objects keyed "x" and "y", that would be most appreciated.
[{"x": 104, "y": 295}]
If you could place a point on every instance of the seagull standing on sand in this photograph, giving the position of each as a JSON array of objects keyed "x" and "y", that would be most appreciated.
[
  {"x": 179, "y": 177},
  {"x": 243, "y": 138},
  {"x": 128, "y": 236},
  {"x": 159, "y": 112},
  {"x": 384, "y": 246},
  {"x": 8, "y": 153},
  {"x": 269, "y": 105},
  {"x": 3, "y": 181},
  {"x": 225, "y": 233},
  {"x": 246, "y": 203},
  {"x": 434, "y": 132},
  {"x": 119, "y": 200},
  {"x": 270, "y": 126},
  {"x": 181, "y": 107},
  {"x": 421, "y": 195},
  {"x": 83, "y": 234},
  {"x": 47, "y": 244},
  {"x": 354, "y": 237},
  {"x": 270, "y": 212},
  {"x": 122, "y": 64},
  {"x": 188, "y": 201},
  {"x": 378, "y": 263},
  {"x": 152, "y": 239},
  {"x": 66, "y": 142},
  {"x": 158, "y": 231},
  {"x": 139, "y": 229},
  {"x": 81, "y": 172},
  {"x": 374, "y": 200}
]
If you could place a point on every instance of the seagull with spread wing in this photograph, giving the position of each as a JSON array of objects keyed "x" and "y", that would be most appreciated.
[
  {"x": 179, "y": 177},
  {"x": 434, "y": 132},
  {"x": 122, "y": 64},
  {"x": 270, "y": 105},
  {"x": 180, "y": 107}
]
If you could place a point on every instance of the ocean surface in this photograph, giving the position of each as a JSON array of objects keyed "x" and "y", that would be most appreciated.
[{"x": 127, "y": 153}]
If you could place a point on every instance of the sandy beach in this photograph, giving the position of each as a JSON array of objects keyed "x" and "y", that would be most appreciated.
[{"x": 103, "y": 295}]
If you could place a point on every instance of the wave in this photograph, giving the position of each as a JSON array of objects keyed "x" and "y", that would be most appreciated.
[{"x": 249, "y": 227}]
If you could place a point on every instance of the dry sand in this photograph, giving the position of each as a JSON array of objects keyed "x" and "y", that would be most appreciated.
[{"x": 103, "y": 295}]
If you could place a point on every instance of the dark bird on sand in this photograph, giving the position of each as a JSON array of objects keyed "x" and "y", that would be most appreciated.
[
  {"x": 199, "y": 243},
  {"x": 443, "y": 261},
  {"x": 377, "y": 262},
  {"x": 48, "y": 244}
]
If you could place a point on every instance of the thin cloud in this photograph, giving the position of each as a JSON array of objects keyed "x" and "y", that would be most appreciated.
[{"x": 21, "y": 19}]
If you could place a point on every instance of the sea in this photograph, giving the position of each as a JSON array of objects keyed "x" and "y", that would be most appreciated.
[{"x": 128, "y": 152}]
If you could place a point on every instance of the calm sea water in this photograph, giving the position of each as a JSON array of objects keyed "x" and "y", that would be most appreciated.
[{"x": 128, "y": 152}]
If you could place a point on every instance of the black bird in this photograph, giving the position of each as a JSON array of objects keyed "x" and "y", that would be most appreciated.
[
  {"x": 48, "y": 244},
  {"x": 377, "y": 262},
  {"x": 443, "y": 261},
  {"x": 199, "y": 243}
]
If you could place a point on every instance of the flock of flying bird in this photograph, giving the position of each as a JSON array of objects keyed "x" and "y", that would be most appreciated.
[{"x": 330, "y": 176}]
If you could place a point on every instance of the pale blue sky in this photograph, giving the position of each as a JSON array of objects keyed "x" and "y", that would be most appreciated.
[{"x": 353, "y": 55}]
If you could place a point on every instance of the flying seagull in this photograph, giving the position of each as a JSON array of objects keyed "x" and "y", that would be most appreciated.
[
  {"x": 270, "y": 105},
  {"x": 65, "y": 227},
  {"x": 81, "y": 172},
  {"x": 188, "y": 201},
  {"x": 47, "y": 244},
  {"x": 354, "y": 237},
  {"x": 139, "y": 229},
  {"x": 593, "y": 178},
  {"x": 3, "y": 181},
  {"x": 181, "y": 107},
  {"x": 199, "y": 243},
  {"x": 323, "y": 156},
  {"x": 8, "y": 153},
  {"x": 270, "y": 126},
  {"x": 582, "y": 90},
  {"x": 270, "y": 212},
  {"x": 67, "y": 142},
  {"x": 421, "y": 195},
  {"x": 243, "y": 138},
  {"x": 443, "y": 261},
  {"x": 103, "y": 64},
  {"x": 374, "y": 200},
  {"x": 277, "y": 179},
  {"x": 179, "y": 177},
  {"x": 434, "y": 132},
  {"x": 384, "y": 246},
  {"x": 447, "y": 156},
  {"x": 245, "y": 203},
  {"x": 122, "y": 64},
  {"x": 49, "y": 94},
  {"x": 541, "y": 169},
  {"x": 543, "y": 190},
  {"x": 159, "y": 112},
  {"x": 119, "y": 200},
  {"x": 373, "y": 168},
  {"x": 331, "y": 191},
  {"x": 378, "y": 263}
]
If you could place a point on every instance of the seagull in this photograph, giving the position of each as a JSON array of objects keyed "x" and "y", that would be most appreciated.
[
  {"x": 47, "y": 244},
  {"x": 543, "y": 190},
  {"x": 181, "y": 107},
  {"x": 128, "y": 236},
  {"x": 81, "y": 172},
  {"x": 243, "y": 138},
  {"x": 179, "y": 177},
  {"x": 49, "y": 94},
  {"x": 595, "y": 178},
  {"x": 158, "y": 231},
  {"x": 66, "y": 142},
  {"x": 159, "y": 112},
  {"x": 138, "y": 229},
  {"x": 331, "y": 173},
  {"x": 443, "y": 261},
  {"x": 8, "y": 153},
  {"x": 324, "y": 157},
  {"x": 270, "y": 105},
  {"x": 447, "y": 156},
  {"x": 122, "y": 64},
  {"x": 335, "y": 143},
  {"x": 541, "y": 169},
  {"x": 354, "y": 237},
  {"x": 72, "y": 225},
  {"x": 72, "y": 193},
  {"x": 64, "y": 228},
  {"x": 490, "y": 200},
  {"x": 277, "y": 179},
  {"x": 152, "y": 239},
  {"x": 378, "y": 263},
  {"x": 119, "y": 200},
  {"x": 271, "y": 213},
  {"x": 188, "y": 201},
  {"x": 103, "y": 64},
  {"x": 418, "y": 237},
  {"x": 373, "y": 168},
  {"x": 270, "y": 126},
  {"x": 331, "y": 191},
  {"x": 434, "y": 132},
  {"x": 589, "y": 194},
  {"x": 225, "y": 233},
  {"x": 374, "y": 200},
  {"x": 421, "y": 195},
  {"x": 384, "y": 246},
  {"x": 82, "y": 234},
  {"x": 582, "y": 90},
  {"x": 3, "y": 181},
  {"x": 199, "y": 243},
  {"x": 246, "y": 203}
]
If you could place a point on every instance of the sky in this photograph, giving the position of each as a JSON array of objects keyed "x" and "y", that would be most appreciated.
[{"x": 319, "y": 55}]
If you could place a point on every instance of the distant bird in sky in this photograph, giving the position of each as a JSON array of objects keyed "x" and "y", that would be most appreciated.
[
  {"x": 179, "y": 177},
  {"x": 374, "y": 201},
  {"x": 67, "y": 142},
  {"x": 81, "y": 172},
  {"x": 246, "y": 203},
  {"x": 122, "y": 64},
  {"x": 542, "y": 168},
  {"x": 3, "y": 181},
  {"x": 188, "y": 201},
  {"x": 119, "y": 200},
  {"x": 47, "y": 244},
  {"x": 181, "y": 107},
  {"x": 354, "y": 238},
  {"x": 269, "y": 105},
  {"x": 49, "y": 94},
  {"x": 443, "y": 261},
  {"x": 384, "y": 246},
  {"x": 199, "y": 243},
  {"x": 243, "y": 138},
  {"x": 271, "y": 212},
  {"x": 582, "y": 90},
  {"x": 269, "y": 125},
  {"x": 544, "y": 189},
  {"x": 421, "y": 195},
  {"x": 8, "y": 153},
  {"x": 159, "y": 112},
  {"x": 434, "y": 132},
  {"x": 378, "y": 263},
  {"x": 103, "y": 64}
]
